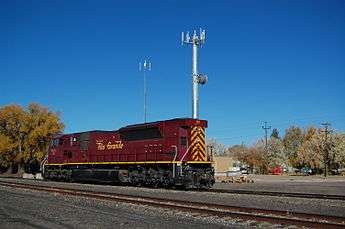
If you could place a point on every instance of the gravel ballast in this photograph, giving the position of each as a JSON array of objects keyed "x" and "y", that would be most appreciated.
[
  {"x": 32, "y": 209},
  {"x": 315, "y": 206}
]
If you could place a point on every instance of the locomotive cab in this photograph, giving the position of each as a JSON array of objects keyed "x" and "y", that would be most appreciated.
[{"x": 196, "y": 163}]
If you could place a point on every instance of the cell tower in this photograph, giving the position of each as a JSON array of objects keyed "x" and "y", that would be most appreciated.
[
  {"x": 195, "y": 40},
  {"x": 144, "y": 67}
]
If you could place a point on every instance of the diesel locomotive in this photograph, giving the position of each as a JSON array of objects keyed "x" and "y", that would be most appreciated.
[{"x": 170, "y": 153}]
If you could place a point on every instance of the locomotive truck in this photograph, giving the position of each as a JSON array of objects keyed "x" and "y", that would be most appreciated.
[{"x": 170, "y": 153}]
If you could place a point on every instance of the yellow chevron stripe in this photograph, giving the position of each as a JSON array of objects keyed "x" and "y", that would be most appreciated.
[
  {"x": 198, "y": 134},
  {"x": 201, "y": 131},
  {"x": 198, "y": 130},
  {"x": 202, "y": 143},
  {"x": 198, "y": 155},
  {"x": 198, "y": 146},
  {"x": 194, "y": 137},
  {"x": 201, "y": 138},
  {"x": 193, "y": 134},
  {"x": 203, "y": 156},
  {"x": 200, "y": 158},
  {"x": 194, "y": 129},
  {"x": 199, "y": 151}
]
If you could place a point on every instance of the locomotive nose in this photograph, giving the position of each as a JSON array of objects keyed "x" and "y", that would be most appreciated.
[{"x": 197, "y": 141}]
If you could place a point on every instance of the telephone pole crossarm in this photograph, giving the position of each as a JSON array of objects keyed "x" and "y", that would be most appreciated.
[{"x": 266, "y": 128}]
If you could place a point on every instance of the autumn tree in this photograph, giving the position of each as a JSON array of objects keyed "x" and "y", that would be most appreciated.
[
  {"x": 218, "y": 149},
  {"x": 41, "y": 126},
  {"x": 6, "y": 149},
  {"x": 298, "y": 148},
  {"x": 25, "y": 134},
  {"x": 310, "y": 153},
  {"x": 236, "y": 149},
  {"x": 275, "y": 153},
  {"x": 275, "y": 133},
  {"x": 255, "y": 157},
  {"x": 12, "y": 133},
  {"x": 338, "y": 150},
  {"x": 292, "y": 140}
]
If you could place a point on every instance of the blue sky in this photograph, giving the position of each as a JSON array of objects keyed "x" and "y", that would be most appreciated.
[{"x": 277, "y": 61}]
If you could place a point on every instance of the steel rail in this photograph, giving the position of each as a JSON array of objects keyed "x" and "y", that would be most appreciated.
[
  {"x": 251, "y": 192},
  {"x": 244, "y": 213},
  {"x": 280, "y": 194}
]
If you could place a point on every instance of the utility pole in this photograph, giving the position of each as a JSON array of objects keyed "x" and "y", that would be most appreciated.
[
  {"x": 144, "y": 67},
  {"x": 326, "y": 147},
  {"x": 265, "y": 128},
  {"x": 195, "y": 40}
]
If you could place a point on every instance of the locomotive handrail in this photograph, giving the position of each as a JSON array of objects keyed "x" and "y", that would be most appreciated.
[
  {"x": 43, "y": 163},
  {"x": 185, "y": 153},
  {"x": 174, "y": 166}
]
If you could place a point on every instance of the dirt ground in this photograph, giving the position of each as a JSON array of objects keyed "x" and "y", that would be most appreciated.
[{"x": 331, "y": 185}]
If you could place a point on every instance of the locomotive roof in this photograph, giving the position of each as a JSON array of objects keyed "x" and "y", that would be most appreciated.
[
  {"x": 158, "y": 122},
  {"x": 89, "y": 131},
  {"x": 134, "y": 126}
]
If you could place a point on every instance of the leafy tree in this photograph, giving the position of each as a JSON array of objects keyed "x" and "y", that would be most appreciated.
[
  {"x": 258, "y": 158},
  {"x": 310, "y": 153},
  {"x": 337, "y": 152},
  {"x": 11, "y": 133},
  {"x": 218, "y": 149},
  {"x": 292, "y": 140},
  {"x": 276, "y": 153},
  {"x": 275, "y": 133},
  {"x": 41, "y": 126},
  {"x": 236, "y": 149},
  {"x": 6, "y": 149},
  {"x": 255, "y": 157},
  {"x": 298, "y": 148},
  {"x": 25, "y": 134}
]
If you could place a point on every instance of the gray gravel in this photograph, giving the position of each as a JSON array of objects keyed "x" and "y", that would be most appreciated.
[
  {"x": 325, "y": 207},
  {"x": 334, "y": 185},
  {"x": 31, "y": 209}
]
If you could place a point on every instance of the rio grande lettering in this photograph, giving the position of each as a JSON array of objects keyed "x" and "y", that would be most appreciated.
[{"x": 110, "y": 145}]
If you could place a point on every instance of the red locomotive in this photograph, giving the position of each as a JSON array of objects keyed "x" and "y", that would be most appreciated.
[{"x": 165, "y": 153}]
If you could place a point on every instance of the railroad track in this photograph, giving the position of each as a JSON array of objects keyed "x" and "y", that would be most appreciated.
[
  {"x": 280, "y": 194},
  {"x": 203, "y": 209},
  {"x": 261, "y": 193}
]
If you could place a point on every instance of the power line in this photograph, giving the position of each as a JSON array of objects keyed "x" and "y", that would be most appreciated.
[
  {"x": 265, "y": 127},
  {"x": 326, "y": 147},
  {"x": 253, "y": 125},
  {"x": 234, "y": 137}
]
